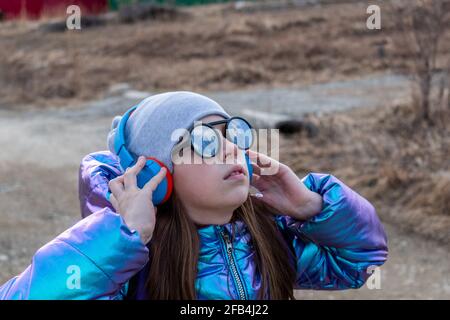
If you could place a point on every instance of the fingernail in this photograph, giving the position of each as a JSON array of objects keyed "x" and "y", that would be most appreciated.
[{"x": 257, "y": 195}]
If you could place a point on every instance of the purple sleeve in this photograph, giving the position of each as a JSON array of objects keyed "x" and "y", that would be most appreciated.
[
  {"x": 335, "y": 248},
  {"x": 96, "y": 170},
  {"x": 94, "y": 259}
]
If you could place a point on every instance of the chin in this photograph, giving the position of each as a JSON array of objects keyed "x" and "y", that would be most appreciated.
[{"x": 236, "y": 197}]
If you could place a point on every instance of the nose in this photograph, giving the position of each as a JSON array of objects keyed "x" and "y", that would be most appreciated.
[{"x": 229, "y": 151}]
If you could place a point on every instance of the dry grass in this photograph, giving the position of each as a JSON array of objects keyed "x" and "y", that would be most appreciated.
[
  {"x": 399, "y": 163},
  {"x": 208, "y": 48}
]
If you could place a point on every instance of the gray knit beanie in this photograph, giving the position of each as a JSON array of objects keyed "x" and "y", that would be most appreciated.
[{"x": 149, "y": 129}]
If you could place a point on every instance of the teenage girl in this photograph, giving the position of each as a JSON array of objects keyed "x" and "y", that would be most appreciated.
[{"x": 168, "y": 214}]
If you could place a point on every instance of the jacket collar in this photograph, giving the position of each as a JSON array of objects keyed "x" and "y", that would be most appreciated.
[{"x": 212, "y": 232}]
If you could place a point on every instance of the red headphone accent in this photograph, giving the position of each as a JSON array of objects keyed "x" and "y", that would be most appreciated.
[{"x": 168, "y": 176}]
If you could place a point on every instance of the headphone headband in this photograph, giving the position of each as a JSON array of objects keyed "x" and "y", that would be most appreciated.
[{"x": 125, "y": 157}]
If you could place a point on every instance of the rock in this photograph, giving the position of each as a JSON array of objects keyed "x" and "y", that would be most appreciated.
[
  {"x": 118, "y": 89},
  {"x": 136, "y": 95},
  {"x": 126, "y": 91},
  {"x": 285, "y": 123},
  {"x": 263, "y": 120},
  {"x": 86, "y": 22},
  {"x": 298, "y": 126}
]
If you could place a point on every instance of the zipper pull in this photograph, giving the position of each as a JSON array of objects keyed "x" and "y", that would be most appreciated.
[{"x": 228, "y": 242}]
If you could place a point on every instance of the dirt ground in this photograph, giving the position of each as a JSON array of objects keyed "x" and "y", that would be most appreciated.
[
  {"x": 379, "y": 149},
  {"x": 203, "y": 48}
]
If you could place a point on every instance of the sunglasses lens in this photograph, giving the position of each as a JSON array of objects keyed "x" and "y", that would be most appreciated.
[
  {"x": 240, "y": 133},
  {"x": 205, "y": 141}
]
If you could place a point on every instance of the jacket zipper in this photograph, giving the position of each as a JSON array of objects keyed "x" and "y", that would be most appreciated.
[{"x": 234, "y": 270}]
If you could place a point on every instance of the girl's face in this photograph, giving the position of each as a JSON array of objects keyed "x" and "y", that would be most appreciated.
[{"x": 208, "y": 196}]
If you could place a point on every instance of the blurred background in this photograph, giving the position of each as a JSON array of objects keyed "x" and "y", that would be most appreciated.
[{"x": 369, "y": 106}]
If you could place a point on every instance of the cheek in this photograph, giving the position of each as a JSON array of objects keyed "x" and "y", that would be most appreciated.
[
  {"x": 196, "y": 182},
  {"x": 202, "y": 184}
]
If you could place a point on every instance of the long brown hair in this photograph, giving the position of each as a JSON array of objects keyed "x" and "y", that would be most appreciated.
[{"x": 174, "y": 251}]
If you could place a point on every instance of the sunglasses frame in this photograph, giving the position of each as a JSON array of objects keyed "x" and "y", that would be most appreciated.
[{"x": 213, "y": 123}]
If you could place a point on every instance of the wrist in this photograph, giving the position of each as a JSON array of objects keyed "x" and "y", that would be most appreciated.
[
  {"x": 144, "y": 232},
  {"x": 146, "y": 237},
  {"x": 310, "y": 206}
]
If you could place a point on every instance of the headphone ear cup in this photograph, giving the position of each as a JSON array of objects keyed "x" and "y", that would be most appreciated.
[
  {"x": 164, "y": 189},
  {"x": 249, "y": 166}
]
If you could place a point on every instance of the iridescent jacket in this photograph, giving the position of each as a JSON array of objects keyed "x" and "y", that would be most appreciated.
[{"x": 100, "y": 256}]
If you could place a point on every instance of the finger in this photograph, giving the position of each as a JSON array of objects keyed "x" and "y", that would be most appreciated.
[
  {"x": 116, "y": 186},
  {"x": 256, "y": 168},
  {"x": 255, "y": 178},
  {"x": 130, "y": 180},
  {"x": 257, "y": 182},
  {"x": 261, "y": 171},
  {"x": 114, "y": 202},
  {"x": 261, "y": 159},
  {"x": 151, "y": 185}
]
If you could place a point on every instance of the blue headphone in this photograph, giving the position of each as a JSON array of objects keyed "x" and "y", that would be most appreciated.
[
  {"x": 150, "y": 169},
  {"x": 152, "y": 166}
]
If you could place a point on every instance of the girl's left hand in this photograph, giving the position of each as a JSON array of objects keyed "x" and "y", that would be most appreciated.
[{"x": 282, "y": 189}]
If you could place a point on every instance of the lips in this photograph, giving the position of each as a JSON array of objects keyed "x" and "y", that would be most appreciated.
[{"x": 236, "y": 169}]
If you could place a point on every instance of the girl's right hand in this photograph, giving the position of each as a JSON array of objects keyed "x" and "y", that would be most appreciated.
[{"x": 135, "y": 204}]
